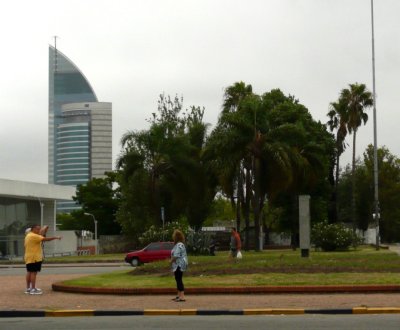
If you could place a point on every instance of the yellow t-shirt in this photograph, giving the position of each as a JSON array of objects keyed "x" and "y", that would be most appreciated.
[{"x": 33, "y": 248}]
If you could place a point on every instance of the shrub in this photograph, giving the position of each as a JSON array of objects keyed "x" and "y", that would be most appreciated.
[
  {"x": 196, "y": 242},
  {"x": 157, "y": 234},
  {"x": 333, "y": 237}
]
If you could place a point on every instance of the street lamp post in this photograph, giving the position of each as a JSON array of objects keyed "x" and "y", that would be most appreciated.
[
  {"x": 95, "y": 232},
  {"x": 163, "y": 221},
  {"x": 41, "y": 215}
]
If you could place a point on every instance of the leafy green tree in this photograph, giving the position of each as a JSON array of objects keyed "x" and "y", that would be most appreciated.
[
  {"x": 362, "y": 195},
  {"x": 389, "y": 192},
  {"x": 220, "y": 210},
  {"x": 310, "y": 148},
  {"x": 76, "y": 220},
  {"x": 97, "y": 197}
]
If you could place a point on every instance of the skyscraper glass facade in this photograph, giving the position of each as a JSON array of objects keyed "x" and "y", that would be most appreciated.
[
  {"x": 80, "y": 128},
  {"x": 67, "y": 84},
  {"x": 73, "y": 143}
]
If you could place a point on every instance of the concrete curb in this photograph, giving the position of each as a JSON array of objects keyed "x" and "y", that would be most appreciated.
[
  {"x": 183, "y": 312},
  {"x": 59, "y": 286}
]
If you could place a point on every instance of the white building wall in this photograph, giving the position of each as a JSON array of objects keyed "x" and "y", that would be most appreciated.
[{"x": 45, "y": 195}]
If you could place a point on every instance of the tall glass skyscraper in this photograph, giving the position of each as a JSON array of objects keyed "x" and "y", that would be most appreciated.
[{"x": 80, "y": 127}]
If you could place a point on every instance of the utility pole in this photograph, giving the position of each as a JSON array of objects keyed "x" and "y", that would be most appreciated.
[{"x": 376, "y": 185}]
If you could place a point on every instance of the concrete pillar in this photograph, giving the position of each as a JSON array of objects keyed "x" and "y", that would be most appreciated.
[{"x": 304, "y": 223}]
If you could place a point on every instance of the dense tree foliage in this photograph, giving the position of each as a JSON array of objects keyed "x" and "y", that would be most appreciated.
[
  {"x": 389, "y": 193},
  {"x": 264, "y": 147},
  {"x": 162, "y": 167},
  {"x": 96, "y": 197}
]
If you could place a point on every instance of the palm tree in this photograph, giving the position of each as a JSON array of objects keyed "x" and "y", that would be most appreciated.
[
  {"x": 355, "y": 101},
  {"x": 337, "y": 121},
  {"x": 233, "y": 97},
  {"x": 253, "y": 153}
]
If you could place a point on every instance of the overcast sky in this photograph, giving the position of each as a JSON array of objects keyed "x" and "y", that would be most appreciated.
[{"x": 131, "y": 51}]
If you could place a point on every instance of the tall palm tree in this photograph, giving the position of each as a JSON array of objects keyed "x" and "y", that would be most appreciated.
[
  {"x": 356, "y": 100},
  {"x": 238, "y": 143},
  {"x": 337, "y": 121},
  {"x": 233, "y": 97}
]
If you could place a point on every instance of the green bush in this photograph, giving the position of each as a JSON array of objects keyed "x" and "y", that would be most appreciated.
[
  {"x": 197, "y": 243},
  {"x": 333, "y": 237},
  {"x": 157, "y": 234}
]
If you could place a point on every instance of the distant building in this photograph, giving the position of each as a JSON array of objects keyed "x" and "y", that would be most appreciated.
[
  {"x": 23, "y": 204},
  {"x": 80, "y": 128}
]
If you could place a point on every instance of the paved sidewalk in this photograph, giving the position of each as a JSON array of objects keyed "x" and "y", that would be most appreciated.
[{"x": 13, "y": 298}]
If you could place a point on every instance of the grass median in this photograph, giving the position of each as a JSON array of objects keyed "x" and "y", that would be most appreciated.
[{"x": 364, "y": 266}]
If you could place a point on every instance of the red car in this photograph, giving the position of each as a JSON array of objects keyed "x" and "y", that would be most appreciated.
[{"x": 152, "y": 252}]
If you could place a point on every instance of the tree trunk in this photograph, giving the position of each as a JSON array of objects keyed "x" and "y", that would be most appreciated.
[
  {"x": 336, "y": 189},
  {"x": 294, "y": 201},
  {"x": 239, "y": 194},
  {"x": 247, "y": 210},
  {"x": 332, "y": 206},
  {"x": 257, "y": 197},
  {"x": 353, "y": 184}
]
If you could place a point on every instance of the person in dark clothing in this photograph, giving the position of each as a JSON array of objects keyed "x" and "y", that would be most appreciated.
[{"x": 235, "y": 244}]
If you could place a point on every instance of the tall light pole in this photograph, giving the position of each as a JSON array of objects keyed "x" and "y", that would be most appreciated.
[
  {"x": 41, "y": 214},
  {"x": 95, "y": 231},
  {"x": 376, "y": 191},
  {"x": 41, "y": 211}
]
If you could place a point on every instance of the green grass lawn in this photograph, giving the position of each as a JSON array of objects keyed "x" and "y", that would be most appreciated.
[{"x": 283, "y": 267}]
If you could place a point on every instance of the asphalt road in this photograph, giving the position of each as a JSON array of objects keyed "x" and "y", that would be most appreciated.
[{"x": 298, "y": 322}]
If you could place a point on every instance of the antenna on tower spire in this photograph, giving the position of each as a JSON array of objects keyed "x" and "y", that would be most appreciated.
[{"x": 55, "y": 55}]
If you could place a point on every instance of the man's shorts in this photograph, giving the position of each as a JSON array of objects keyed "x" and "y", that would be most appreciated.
[
  {"x": 34, "y": 267},
  {"x": 234, "y": 253}
]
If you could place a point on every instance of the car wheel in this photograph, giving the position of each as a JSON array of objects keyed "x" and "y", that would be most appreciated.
[{"x": 135, "y": 262}]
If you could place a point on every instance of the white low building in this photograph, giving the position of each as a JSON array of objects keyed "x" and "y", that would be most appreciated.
[{"x": 23, "y": 204}]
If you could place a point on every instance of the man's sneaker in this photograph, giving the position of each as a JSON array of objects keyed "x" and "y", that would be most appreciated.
[
  {"x": 28, "y": 290},
  {"x": 35, "y": 291}
]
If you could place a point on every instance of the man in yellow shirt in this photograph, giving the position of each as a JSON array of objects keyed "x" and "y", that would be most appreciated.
[{"x": 34, "y": 257}]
